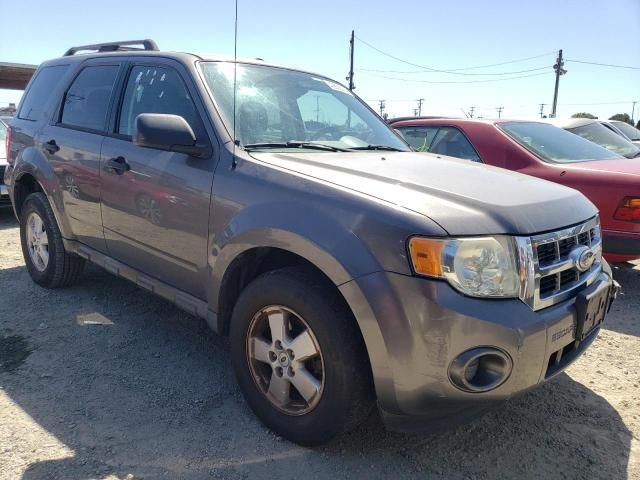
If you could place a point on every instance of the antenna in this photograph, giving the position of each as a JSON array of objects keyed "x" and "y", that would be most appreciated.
[{"x": 235, "y": 86}]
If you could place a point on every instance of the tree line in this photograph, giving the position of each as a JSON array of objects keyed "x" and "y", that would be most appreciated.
[{"x": 621, "y": 117}]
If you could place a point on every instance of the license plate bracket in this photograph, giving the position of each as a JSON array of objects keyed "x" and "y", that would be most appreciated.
[{"x": 591, "y": 306}]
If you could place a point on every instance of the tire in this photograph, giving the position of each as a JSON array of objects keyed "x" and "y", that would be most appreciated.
[
  {"x": 61, "y": 268},
  {"x": 311, "y": 303}
]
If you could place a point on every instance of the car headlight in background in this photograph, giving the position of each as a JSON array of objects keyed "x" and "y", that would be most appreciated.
[{"x": 478, "y": 267}]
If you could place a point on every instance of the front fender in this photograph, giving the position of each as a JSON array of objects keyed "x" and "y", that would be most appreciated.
[{"x": 335, "y": 249}]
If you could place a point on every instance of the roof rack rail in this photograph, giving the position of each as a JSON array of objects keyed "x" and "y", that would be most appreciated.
[{"x": 147, "y": 44}]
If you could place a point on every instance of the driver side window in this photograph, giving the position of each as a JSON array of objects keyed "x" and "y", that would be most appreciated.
[{"x": 152, "y": 89}]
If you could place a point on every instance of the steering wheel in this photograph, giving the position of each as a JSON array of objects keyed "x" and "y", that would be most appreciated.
[{"x": 336, "y": 133}]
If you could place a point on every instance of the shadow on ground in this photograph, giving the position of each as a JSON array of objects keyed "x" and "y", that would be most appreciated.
[{"x": 133, "y": 385}]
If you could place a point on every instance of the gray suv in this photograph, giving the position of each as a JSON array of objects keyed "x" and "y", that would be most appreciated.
[{"x": 348, "y": 271}]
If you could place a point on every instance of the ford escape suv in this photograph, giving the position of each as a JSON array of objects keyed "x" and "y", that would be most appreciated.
[{"x": 347, "y": 272}]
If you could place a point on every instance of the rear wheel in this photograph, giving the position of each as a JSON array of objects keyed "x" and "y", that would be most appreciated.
[
  {"x": 299, "y": 357},
  {"x": 48, "y": 263}
]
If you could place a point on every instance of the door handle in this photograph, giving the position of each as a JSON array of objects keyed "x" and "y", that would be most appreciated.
[
  {"x": 117, "y": 165},
  {"x": 51, "y": 146}
]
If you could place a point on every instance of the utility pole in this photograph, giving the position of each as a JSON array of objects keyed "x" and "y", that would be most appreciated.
[
  {"x": 559, "y": 71},
  {"x": 382, "y": 105},
  {"x": 542, "y": 105},
  {"x": 415, "y": 112},
  {"x": 499, "y": 109},
  {"x": 317, "y": 108},
  {"x": 350, "y": 76},
  {"x": 633, "y": 111},
  {"x": 420, "y": 100},
  {"x": 471, "y": 110}
]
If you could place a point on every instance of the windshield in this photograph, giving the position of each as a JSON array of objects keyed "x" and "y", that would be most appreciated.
[
  {"x": 554, "y": 144},
  {"x": 597, "y": 133},
  {"x": 630, "y": 131},
  {"x": 3, "y": 131},
  {"x": 279, "y": 108}
]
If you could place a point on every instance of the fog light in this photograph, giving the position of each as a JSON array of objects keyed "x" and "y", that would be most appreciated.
[{"x": 480, "y": 369}]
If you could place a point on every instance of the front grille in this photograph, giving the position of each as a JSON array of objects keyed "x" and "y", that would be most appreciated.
[{"x": 556, "y": 273}]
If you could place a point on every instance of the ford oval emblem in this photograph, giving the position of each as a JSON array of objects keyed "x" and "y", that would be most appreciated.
[{"x": 583, "y": 258}]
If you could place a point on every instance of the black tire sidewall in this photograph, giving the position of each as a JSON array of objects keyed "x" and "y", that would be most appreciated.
[{"x": 332, "y": 327}]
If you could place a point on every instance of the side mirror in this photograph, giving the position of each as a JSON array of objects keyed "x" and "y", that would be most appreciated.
[{"x": 165, "y": 132}]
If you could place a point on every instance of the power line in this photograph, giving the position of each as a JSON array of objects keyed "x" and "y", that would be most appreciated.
[
  {"x": 592, "y": 104},
  {"x": 455, "y": 71},
  {"x": 453, "y": 81},
  {"x": 603, "y": 64},
  {"x": 480, "y": 74}
]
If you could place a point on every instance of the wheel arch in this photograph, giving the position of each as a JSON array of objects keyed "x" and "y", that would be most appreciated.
[
  {"x": 33, "y": 173},
  {"x": 242, "y": 262}
]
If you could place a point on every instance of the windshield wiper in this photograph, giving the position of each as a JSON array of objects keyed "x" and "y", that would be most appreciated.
[
  {"x": 377, "y": 147},
  {"x": 294, "y": 144}
]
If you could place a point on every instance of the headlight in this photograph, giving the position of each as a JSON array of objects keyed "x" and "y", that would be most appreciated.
[{"x": 478, "y": 267}]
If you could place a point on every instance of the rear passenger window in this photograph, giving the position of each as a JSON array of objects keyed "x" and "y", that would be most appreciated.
[
  {"x": 156, "y": 90},
  {"x": 419, "y": 138},
  {"x": 452, "y": 142},
  {"x": 87, "y": 100},
  {"x": 47, "y": 79}
]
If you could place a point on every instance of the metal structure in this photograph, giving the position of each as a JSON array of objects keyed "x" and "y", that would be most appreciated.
[{"x": 15, "y": 76}]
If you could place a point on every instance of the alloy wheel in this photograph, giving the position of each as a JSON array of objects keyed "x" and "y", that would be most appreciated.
[
  {"x": 285, "y": 360},
  {"x": 37, "y": 242}
]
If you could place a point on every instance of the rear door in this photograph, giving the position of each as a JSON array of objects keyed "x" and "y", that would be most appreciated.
[
  {"x": 155, "y": 209},
  {"x": 72, "y": 143}
]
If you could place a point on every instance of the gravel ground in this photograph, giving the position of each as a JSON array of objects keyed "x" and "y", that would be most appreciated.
[{"x": 106, "y": 381}]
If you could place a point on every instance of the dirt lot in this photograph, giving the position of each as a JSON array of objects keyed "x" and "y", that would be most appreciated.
[{"x": 105, "y": 381}]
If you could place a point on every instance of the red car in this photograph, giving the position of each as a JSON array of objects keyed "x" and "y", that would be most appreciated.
[{"x": 610, "y": 181}]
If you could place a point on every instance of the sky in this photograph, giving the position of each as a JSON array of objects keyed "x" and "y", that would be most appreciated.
[{"x": 458, "y": 35}]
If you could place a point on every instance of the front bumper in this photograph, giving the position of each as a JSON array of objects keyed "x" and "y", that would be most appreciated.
[{"x": 425, "y": 324}]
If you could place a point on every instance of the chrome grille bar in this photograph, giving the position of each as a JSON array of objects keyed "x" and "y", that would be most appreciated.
[{"x": 567, "y": 277}]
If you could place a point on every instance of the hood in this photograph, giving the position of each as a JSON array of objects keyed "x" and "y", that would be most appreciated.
[
  {"x": 463, "y": 197},
  {"x": 627, "y": 166}
]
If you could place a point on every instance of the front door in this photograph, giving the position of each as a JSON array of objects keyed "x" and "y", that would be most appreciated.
[
  {"x": 155, "y": 208},
  {"x": 72, "y": 145}
]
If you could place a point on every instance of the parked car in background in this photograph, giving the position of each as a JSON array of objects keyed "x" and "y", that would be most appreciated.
[
  {"x": 629, "y": 132},
  {"x": 594, "y": 131},
  {"x": 4, "y": 195},
  {"x": 609, "y": 180},
  {"x": 348, "y": 273}
]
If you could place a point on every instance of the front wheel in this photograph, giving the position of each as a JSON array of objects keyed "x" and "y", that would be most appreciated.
[{"x": 299, "y": 357}]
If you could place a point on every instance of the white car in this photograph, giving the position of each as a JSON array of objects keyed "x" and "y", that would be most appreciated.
[
  {"x": 595, "y": 131},
  {"x": 625, "y": 130}
]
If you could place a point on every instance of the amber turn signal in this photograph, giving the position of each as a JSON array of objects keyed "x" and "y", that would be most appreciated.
[{"x": 426, "y": 255}]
